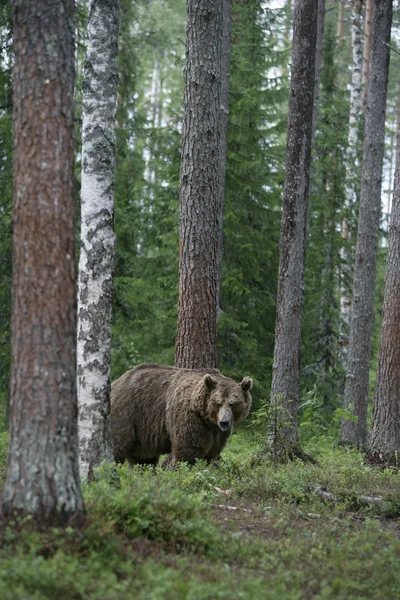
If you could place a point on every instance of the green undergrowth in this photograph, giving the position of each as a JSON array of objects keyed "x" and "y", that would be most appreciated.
[{"x": 156, "y": 534}]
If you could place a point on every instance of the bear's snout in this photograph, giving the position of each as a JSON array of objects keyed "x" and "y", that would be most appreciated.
[{"x": 224, "y": 419}]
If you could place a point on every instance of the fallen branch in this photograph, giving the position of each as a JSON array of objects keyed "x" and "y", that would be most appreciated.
[
  {"x": 227, "y": 507},
  {"x": 368, "y": 500}
]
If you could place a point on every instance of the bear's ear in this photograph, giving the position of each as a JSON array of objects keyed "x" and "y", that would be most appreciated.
[
  {"x": 210, "y": 382},
  {"x": 246, "y": 384}
]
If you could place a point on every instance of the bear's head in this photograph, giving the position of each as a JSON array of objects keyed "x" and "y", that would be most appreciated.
[{"x": 227, "y": 402}]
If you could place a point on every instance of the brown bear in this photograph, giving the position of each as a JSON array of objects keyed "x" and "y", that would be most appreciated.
[{"x": 189, "y": 413}]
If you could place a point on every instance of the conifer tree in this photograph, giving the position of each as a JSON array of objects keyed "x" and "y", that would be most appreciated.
[
  {"x": 196, "y": 342},
  {"x": 361, "y": 324},
  {"x": 42, "y": 478},
  {"x": 285, "y": 387},
  {"x": 384, "y": 438}
]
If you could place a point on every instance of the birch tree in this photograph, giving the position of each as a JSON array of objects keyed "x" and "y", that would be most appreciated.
[
  {"x": 199, "y": 192},
  {"x": 384, "y": 439},
  {"x": 285, "y": 387},
  {"x": 42, "y": 478},
  {"x": 357, "y": 377},
  {"x": 96, "y": 261},
  {"x": 351, "y": 157}
]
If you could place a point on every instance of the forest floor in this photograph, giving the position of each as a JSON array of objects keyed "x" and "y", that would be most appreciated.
[{"x": 242, "y": 529}]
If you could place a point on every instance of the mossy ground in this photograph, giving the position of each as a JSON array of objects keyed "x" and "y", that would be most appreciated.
[{"x": 154, "y": 534}]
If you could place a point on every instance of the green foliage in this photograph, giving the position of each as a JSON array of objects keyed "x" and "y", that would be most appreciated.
[
  {"x": 162, "y": 534},
  {"x": 322, "y": 357},
  {"x": 254, "y": 179}
]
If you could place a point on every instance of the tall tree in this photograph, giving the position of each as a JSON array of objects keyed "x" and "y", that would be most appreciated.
[
  {"x": 42, "y": 477},
  {"x": 357, "y": 377},
  {"x": 200, "y": 183},
  {"x": 96, "y": 262},
  {"x": 369, "y": 9},
  {"x": 351, "y": 159},
  {"x": 286, "y": 369},
  {"x": 384, "y": 439},
  {"x": 224, "y": 116},
  {"x": 318, "y": 60}
]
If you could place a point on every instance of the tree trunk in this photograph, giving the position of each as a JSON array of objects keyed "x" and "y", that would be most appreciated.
[
  {"x": 351, "y": 161},
  {"x": 356, "y": 388},
  {"x": 340, "y": 22},
  {"x": 367, "y": 49},
  {"x": 318, "y": 62},
  {"x": 42, "y": 477},
  {"x": 224, "y": 116},
  {"x": 384, "y": 440},
  {"x": 286, "y": 368},
  {"x": 96, "y": 262},
  {"x": 200, "y": 183}
]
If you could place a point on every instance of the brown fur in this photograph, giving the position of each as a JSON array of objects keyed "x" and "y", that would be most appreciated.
[{"x": 189, "y": 413}]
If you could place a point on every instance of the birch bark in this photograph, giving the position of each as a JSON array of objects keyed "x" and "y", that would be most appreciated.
[
  {"x": 285, "y": 387},
  {"x": 96, "y": 261},
  {"x": 351, "y": 160},
  {"x": 357, "y": 378},
  {"x": 384, "y": 439},
  {"x": 42, "y": 478}
]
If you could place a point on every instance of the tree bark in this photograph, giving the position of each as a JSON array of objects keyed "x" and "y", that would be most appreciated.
[
  {"x": 318, "y": 62},
  {"x": 384, "y": 440},
  {"x": 351, "y": 161},
  {"x": 42, "y": 477},
  {"x": 224, "y": 116},
  {"x": 356, "y": 388},
  {"x": 199, "y": 193},
  {"x": 366, "y": 51},
  {"x": 285, "y": 388},
  {"x": 340, "y": 22},
  {"x": 96, "y": 264}
]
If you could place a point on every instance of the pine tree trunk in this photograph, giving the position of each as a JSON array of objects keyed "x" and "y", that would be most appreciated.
[
  {"x": 367, "y": 50},
  {"x": 285, "y": 388},
  {"x": 224, "y": 116},
  {"x": 96, "y": 262},
  {"x": 351, "y": 160},
  {"x": 42, "y": 477},
  {"x": 384, "y": 440},
  {"x": 356, "y": 388},
  {"x": 200, "y": 183}
]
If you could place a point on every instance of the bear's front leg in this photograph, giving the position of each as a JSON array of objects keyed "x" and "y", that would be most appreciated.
[{"x": 195, "y": 445}]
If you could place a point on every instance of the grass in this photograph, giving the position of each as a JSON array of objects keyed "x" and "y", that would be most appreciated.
[{"x": 154, "y": 534}]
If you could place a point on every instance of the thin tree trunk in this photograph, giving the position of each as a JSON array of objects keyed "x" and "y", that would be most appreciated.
[
  {"x": 367, "y": 50},
  {"x": 285, "y": 388},
  {"x": 357, "y": 379},
  {"x": 318, "y": 61},
  {"x": 384, "y": 440},
  {"x": 96, "y": 262},
  {"x": 340, "y": 22},
  {"x": 199, "y": 193},
  {"x": 42, "y": 477},
  {"x": 224, "y": 116},
  {"x": 351, "y": 161}
]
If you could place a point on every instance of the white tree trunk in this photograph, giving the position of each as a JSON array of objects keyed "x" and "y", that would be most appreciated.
[
  {"x": 351, "y": 157},
  {"x": 97, "y": 235}
]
